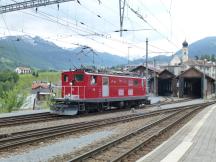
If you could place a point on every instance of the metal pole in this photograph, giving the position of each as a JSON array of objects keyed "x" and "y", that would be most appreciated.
[
  {"x": 155, "y": 86},
  {"x": 204, "y": 86},
  {"x": 147, "y": 89},
  {"x": 128, "y": 56},
  {"x": 121, "y": 12},
  {"x": 93, "y": 58},
  {"x": 215, "y": 79}
]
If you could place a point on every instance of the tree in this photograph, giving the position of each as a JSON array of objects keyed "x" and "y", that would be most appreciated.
[
  {"x": 36, "y": 74},
  {"x": 197, "y": 57},
  {"x": 33, "y": 73},
  {"x": 213, "y": 57}
]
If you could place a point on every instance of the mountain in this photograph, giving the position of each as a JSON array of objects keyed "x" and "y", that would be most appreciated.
[
  {"x": 159, "y": 59},
  {"x": 41, "y": 54},
  {"x": 201, "y": 47}
]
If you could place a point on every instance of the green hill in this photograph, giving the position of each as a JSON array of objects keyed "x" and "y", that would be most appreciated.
[{"x": 41, "y": 54}]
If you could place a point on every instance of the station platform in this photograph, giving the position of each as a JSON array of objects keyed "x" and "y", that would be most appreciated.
[
  {"x": 22, "y": 112},
  {"x": 194, "y": 142}
]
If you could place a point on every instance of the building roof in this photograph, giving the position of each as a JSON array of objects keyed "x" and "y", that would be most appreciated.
[
  {"x": 200, "y": 63},
  {"x": 152, "y": 69},
  {"x": 197, "y": 70},
  {"x": 185, "y": 44},
  {"x": 192, "y": 62},
  {"x": 40, "y": 85},
  {"x": 23, "y": 68},
  {"x": 165, "y": 74}
]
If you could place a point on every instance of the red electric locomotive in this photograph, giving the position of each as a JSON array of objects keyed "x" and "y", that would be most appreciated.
[{"x": 83, "y": 91}]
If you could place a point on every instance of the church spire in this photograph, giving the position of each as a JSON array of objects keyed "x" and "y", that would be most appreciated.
[{"x": 185, "y": 57}]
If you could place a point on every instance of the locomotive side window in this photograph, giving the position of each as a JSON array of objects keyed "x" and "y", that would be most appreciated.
[
  {"x": 105, "y": 81},
  {"x": 136, "y": 82},
  {"x": 93, "y": 80},
  {"x": 79, "y": 77},
  {"x": 130, "y": 83},
  {"x": 65, "y": 78},
  {"x": 142, "y": 82}
]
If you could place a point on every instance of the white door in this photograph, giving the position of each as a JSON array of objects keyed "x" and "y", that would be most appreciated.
[{"x": 105, "y": 88}]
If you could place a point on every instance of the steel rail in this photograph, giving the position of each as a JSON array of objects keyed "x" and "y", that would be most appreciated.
[
  {"x": 23, "y": 138},
  {"x": 17, "y": 120},
  {"x": 125, "y": 117},
  {"x": 152, "y": 137},
  {"x": 18, "y": 138},
  {"x": 114, "y": 143},
  {"x": 70, "y": 128}
]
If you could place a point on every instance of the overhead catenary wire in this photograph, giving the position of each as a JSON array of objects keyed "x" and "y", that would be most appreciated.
[
  {"x": 52, "y": 19},
  {"x": 152, "y": 14},
  {"x": 13, "y": 44},
  {"x": 103, "y": 36},
  {"x": 78, "y": 34},
  {"x": 164, "y": 6},
  {"x": 89, "y": 34},
  {"x": 94, "y": 14},
  {"x": 54, "y": 22},
  {"x": 86, "y": 32},
  {"x": 142, "y": 18}
]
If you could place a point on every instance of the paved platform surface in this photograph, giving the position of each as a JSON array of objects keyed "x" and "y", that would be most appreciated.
[
  {"x": 195, "y": 142},
  {"x": 153, "y": 100},
  {"x": 22, "y": 112}
]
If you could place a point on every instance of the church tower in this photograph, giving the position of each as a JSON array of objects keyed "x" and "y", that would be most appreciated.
[{"x": 185, "y": 51}]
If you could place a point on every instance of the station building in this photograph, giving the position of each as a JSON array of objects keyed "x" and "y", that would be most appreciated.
[{"x": 182, "y": 77}]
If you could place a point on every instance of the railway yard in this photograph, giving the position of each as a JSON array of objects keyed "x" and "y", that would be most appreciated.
[
  {"x": 117, "y": 135},
  {"x": 107, "y": 81}
]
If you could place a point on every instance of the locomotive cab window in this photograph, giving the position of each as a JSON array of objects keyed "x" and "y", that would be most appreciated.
[
  {"x": 105, "y": 81},
  {"x": 143, "y": 84},
  {"x": 93, "y": 80},
  {"x": 65, "y": 78},
  {"x": 79, "y": 77},
  {"x": 136, "y": 82}
]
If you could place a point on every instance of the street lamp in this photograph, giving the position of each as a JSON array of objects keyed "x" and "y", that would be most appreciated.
[
  {"x": 215, "y": 79},
  {"x": 147, "y": 88},
  {"x": 204, "y": 81},
  {"x": 128, "y": 55},
  {"x": 155, "y": 91}
]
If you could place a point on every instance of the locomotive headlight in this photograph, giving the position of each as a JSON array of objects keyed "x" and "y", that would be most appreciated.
[{"x": 71, "y": 83}]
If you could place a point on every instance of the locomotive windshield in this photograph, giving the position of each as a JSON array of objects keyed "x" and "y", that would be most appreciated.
[
  {"x": 65, "y": 78},
  {"x": 79, "y": 77}
]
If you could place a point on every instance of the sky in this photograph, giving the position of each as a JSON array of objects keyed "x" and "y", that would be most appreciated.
[{"x": 166, "y": 24}]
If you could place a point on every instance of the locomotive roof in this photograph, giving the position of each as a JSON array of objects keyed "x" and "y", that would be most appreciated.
[
  {"x": 104, "y": 74},
  {"x": 123, "y": 76}
]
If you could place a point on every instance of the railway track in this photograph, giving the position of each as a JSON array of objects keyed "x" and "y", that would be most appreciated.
[
  {"x": 169, "y": 100},
  {"x": 121, "y": 148},
  {"x": 42, "y": 117},
  {"x": 19, "y": 138},
  {"x": 26, "y": 119}
]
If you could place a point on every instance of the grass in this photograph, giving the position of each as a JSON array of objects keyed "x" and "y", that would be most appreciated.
[
  {"x": 26, "y": 80},
  {"x": 22, "y": 89}
]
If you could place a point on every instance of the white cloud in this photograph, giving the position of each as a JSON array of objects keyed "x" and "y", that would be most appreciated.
[{"x": 191, "y": 20}]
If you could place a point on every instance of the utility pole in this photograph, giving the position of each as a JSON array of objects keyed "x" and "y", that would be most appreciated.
[
  {"x": 121, "y": 12},
  {"x": 204, "y": 82},
  {"x": 147, "y": 89},
  {"x": 93, "y": 55},
  {"x": 215, "y": 79},
  {"x": 128, "y": 55},
  {"x": 155, "y": 85},
  {"x": 93, "y": 59}
]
